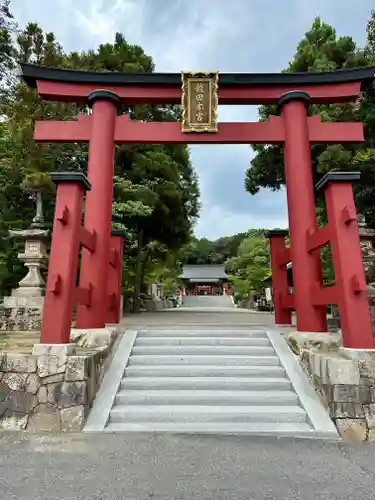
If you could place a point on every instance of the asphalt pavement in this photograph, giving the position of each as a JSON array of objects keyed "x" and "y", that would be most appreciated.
[{"x": 147, "y": 466}]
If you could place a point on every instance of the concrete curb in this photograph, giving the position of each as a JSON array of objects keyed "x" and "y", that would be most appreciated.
[
  {"x": 105, "y": 397},
  {"x": 309, "y": 400}
]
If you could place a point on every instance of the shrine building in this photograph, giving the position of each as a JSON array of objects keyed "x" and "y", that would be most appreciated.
[{"x": 204, "y": 280}]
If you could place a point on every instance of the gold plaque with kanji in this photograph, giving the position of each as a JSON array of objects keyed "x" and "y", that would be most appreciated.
[{"x": 200, "y": 101}]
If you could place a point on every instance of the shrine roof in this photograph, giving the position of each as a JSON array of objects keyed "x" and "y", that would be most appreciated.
[
  {"x": 31, "y": 73},
  {"x": 202, "y": 272}
]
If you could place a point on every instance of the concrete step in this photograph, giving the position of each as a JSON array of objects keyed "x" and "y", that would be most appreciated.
[
  {"x": 207, "y": 301},
  {"x": 202, "y": 341},
  {"x": 206, "y": 397},
  {"x": 196, "y": 413},
  {"x": 221, "y": 360},
  {"x": 202, "y": 350},
  {"x": 210, "y": 383},
  {"x": 204, "y": 371},
  {"x": 218, "y": 333},
  {"x": 258, "y": 428}
]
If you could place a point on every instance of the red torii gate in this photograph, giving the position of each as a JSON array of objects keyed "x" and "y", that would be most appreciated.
[{"x": 292, "y": 92}]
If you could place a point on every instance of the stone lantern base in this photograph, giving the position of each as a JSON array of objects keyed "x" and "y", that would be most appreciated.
[
  {"x": 23, "y": 310},
  {"x": 21, "y": 313}
]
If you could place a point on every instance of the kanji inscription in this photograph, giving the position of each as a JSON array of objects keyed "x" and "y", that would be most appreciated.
[{"x": 199, "y": 102}]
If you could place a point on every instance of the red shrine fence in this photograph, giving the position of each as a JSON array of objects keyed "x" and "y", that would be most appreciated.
[{"x": 293, "y": 93}]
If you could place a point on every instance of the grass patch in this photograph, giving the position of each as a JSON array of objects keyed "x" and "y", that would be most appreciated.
[{"x": 21, "y": 342}]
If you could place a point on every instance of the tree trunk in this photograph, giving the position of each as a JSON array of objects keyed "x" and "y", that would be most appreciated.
[{"x": 138, "y": 275}]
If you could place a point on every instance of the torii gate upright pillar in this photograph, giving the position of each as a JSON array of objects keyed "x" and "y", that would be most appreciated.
[
  {"x": 301, "y": 209},
  {"x": 98, "y": 214}
]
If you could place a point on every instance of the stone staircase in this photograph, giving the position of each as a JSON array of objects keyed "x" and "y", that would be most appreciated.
[
  {"x": 222, "y": 382},
  {"x": 207, "y": 301}
]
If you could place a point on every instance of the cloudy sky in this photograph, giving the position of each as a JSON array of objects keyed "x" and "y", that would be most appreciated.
[{"x": 224, "y": 35}]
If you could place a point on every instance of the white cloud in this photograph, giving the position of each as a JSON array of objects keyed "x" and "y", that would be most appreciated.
[
  {"x": 216, "y": 222},
  {"x": 100, "y": 21}
]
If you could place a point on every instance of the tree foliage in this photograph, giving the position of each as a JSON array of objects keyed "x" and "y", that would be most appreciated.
[
  {"x": 156, "y": 196},
  {"x": 322, "y": 50},
  {"x": 249, "y": 267},
  {"x": 8, "y": 28},
  {"x": 204, "y": 251}
]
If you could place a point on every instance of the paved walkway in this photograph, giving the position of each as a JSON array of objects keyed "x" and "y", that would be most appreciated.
[
  {"x": 164, "y": 467},
  {"x": 190, "y": 317}
]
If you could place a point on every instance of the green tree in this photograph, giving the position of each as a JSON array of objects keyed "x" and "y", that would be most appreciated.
[
  {"x": 250, "y": 267},
  {"x": 8, "y": 29},
  {"x": 204, "y": 251},
  {"x": 323, "y": 50},
  {"x": 156, "y": 196}
]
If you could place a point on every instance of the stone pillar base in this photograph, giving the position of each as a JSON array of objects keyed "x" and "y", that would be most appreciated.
[
  {"x": 54, "y": 349},
  {"x": 325, "y": 341},
  {"x": 358, "y": 354}
]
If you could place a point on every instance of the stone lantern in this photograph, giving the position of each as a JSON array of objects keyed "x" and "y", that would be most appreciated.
[{"x": 23, "y": 309}]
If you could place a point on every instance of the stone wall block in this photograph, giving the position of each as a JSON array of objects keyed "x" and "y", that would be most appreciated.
[
  {"x": 73, "y": 419},
  {"x": 67, "y": 394},
  {"x": 92, "y": 389},
  {"x": 52, "y": 379},
  {"x": 352, "y": 430},
  {"x": 51, "y": 365},
  {"x": 43, "y": 394},
  {"x": 305, "y": 359},
  {"x": 96, "y": 337},
  {"x": 351, "y": 394},
  {"x": 369, "y": 382},
  {"x": 316, "y": 381},
  {"x": 13, "y": 421},
  {"x": 77, "y": 368},
  {"x": 4, "y": 389},
  {"x": 318, "y": 365},
  {"x": 15, "y": 381},
  {"x": 311, "y": 364},
  {"x": 19, "y": 401},
  {"x": 44, "y": 418},
  {"x": 326, "y": 393},
  {"x": 346, "y": 410},
  {"x": 370, "y": 416},
  {"x": 18, "y": 363},
  {"x": 342, "y": 371},
  {"x": 324, "y": 369},
  {"x": 367, "y": 370},
  {"x": 371, "y": 398},
  {"x": 33, "y": 383}
]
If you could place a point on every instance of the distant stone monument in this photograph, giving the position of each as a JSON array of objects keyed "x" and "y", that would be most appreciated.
[{"x": 23, "y": 309}]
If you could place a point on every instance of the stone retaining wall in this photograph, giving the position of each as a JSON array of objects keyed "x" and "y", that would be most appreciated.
[
  {"x": 51, "y": 392},
  {"x": 345, "y": 386}
]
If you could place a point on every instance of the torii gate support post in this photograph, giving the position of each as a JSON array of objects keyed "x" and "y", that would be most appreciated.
[
  {"x": 115, "y": 277},
  {"x": 301, "y": 210},
  {"x": 279, "y": 258},
  {"x": 63, "y": 261},
  {"x": 98, "y": 213},
  {"x": 352, "y": 299}
]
